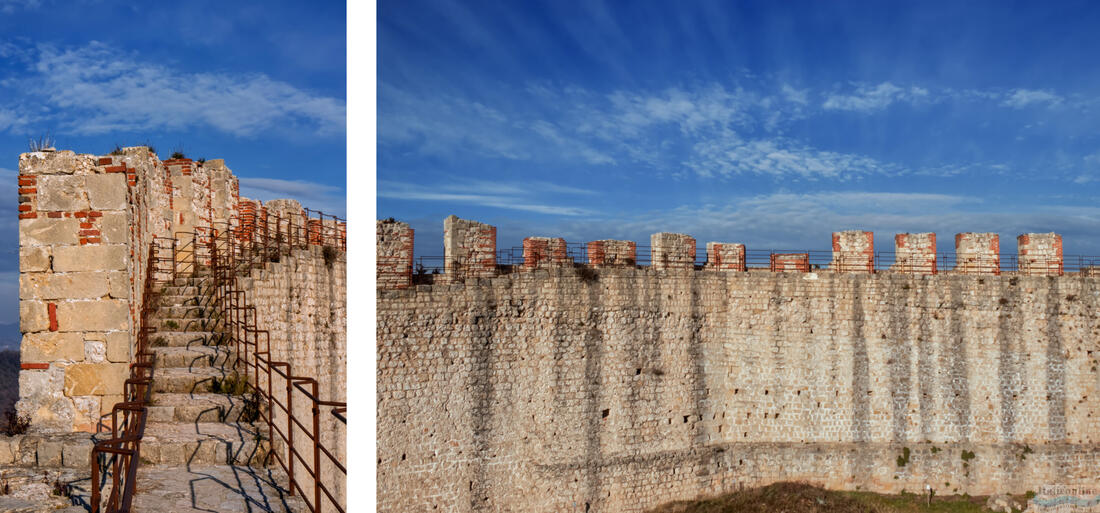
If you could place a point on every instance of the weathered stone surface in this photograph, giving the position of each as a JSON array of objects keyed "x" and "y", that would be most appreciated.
[
  {"x": 99, "y": 257},
  {"x": 50, "y": 346},
  {"x": 47, "y": 231},
  {"x": 49, "y": 453},
  {"x": 95, "y": 351},
  {"x": 34, "y": 259},
  {"x": 119, "y": 284},
  {"x": 118, "y": 346},
  {"x": 64, "y": 193},
  {"x": 114, "y": 228},
  {"x": 33, "y": 316},
  {"x": 95, "y": 379},
  {"x": 99, "y": 315},
  {"x": 77, "y": 285},
  {"x": 107, "y": 191},
  {"x": 76, "y": 453}
]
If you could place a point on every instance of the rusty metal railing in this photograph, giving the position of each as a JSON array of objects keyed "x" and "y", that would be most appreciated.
[
  {"x": 234, "y": 248},
  {"x": 120, "y": 454}
]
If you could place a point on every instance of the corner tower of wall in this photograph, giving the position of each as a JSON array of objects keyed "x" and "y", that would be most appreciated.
[{"x": 85, "y": 224}]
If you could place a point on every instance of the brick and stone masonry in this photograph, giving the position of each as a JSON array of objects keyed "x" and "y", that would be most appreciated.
[
  {"x": 469, "y": 249},
  {"x": 790, "y": 262},
  {"x": 978, "y": 253},
  {"x": 609, "y": 252},
  {"x": 395, "y": 254},
  {"x": 542, "y": 252},
  {"x": 853, "y": 252},
  {"x": 915, "y": 253},
  {"x": 672, "y": 251},
  {"x": 725, "y": 256},
  {"x": 1040, "y": 254}
]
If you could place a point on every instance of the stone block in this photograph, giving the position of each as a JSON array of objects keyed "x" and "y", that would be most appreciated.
[
  {"x": 119, "y": 284},
  {"x": 79, "y": 285},
  {"x": 76, "y": 453},
  {"x": 612, "y": 252},
  {"x": 915, "y": 253},
  {"x": 95, "y": 351},
  {"x": 540, "y": 252},
  {"x": 49, "y": 453},
  {"x": 101, "y": 315},
  {"x": 33, "y": 316},
  {"x": 64, "y": 193},
  {"x": 114, "y": 228},
  {"x": 118, "y": 346},
  {"x": 45, "y": 231},
  {"x": 34, "y": 259},
  {"x": 978, "y": 253},
  {"x": 8, "y": 449},
  {"x": 98, "y": 257},
  {"x": 853, "y": 252},
  {"x": 107, "y": 191},
  {"x": 51, "y": 346},
  {"x": 108, "y": 403},
  {"x": 790, "y": 262},
  {"x": 95, "y": 379},
  {"x": 726, "y": 256}
]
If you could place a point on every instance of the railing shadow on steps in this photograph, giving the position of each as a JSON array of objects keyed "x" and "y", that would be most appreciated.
[
  {"x": 235, "y": 248},
  {"x": 117, "y": 457}
]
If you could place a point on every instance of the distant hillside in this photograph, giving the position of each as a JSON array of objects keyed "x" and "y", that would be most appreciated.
[
  {"x": 10, "y": 337},
  {"x": 9, "y": 381}
]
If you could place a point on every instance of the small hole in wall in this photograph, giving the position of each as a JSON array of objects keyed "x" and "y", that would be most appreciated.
[
  {"x": 798, "y": 393},
  {"x": 637, "y": 371},
  {"x": 605, "y": 413},
  {"x": 402, "y": 457},
  {"x": 740, "y": 462},
  {"x": 736, "y": 390},
  {"x": 686, "y": 419},
  {"x": 765, "y": 392}
]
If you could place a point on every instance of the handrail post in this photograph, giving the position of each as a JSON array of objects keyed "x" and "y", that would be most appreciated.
[
  {"x": 290, "y": 429},
  {"x": 316, "y": 451}
]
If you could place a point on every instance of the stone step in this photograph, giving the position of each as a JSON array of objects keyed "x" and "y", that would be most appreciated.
[
  {"x": 183, "y": 312},
  {"x": 168, "y": 407},
  {"x": 181, "y": 324},
  {"x": 192, "y": 281},
  {"x": 197, "y": 380},
  {"x": 191, "y": 357},
  {"x": 203, "y": 443},
  {"x": 186, "y": 338},
  {"x": 182, "y": 291},
  {"x": 222, "y": 488},
  {"x": 178, "y": 300}
]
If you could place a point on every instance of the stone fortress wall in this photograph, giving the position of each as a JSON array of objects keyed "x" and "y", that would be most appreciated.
[
  {"x": 86, "y": 223},
  {"x": 617, "y": 388}
]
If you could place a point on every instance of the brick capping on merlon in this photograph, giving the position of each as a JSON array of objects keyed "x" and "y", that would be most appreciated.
[{"x": 471, "y": 252}]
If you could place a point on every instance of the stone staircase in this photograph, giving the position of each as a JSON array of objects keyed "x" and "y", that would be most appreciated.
[{"x": 202, "y": 450}]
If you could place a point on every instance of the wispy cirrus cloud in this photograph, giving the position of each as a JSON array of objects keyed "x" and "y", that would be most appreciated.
[
  {"x": 97, "y": 88},
  {"x": 1021, "y": 98},
  {"x": 729, "y": 154},
  {"x": 867, "y": 98},
  {"x": 523, "y": 197}
]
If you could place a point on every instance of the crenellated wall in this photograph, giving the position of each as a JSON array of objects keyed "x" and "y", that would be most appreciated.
[{"x": 621, "y": 388}]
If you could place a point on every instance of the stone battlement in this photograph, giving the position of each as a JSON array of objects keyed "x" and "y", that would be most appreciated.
[{"x": 471, "y": 252}]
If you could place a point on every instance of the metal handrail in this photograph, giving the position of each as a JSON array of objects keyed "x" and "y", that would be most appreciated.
[
  {"x": 235, "y": 247},
  {"x": 121, "y": 453}
]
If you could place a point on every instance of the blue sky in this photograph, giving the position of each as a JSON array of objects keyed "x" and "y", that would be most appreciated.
[
  {"x": 260, "y": 84},
  {"x": 768, "y": 123}
]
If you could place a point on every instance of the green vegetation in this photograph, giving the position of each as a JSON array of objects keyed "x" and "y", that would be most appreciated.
[
  {"x": 233, "y": 384},
  {"x": 806, "y": 498},
  {"x": 904, "y": 458}
]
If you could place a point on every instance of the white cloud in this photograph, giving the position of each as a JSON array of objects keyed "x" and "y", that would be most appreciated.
[
  {"x": 1021, "y": 98},
  {"x": 866, "y": 98},
  {"x": 326, "y": 198},
  {"x": 505, "y": 196},
  {"x": 728, "y": 154},
  {"x": 10, "y": 6},
  {"x": 800, "y": 96},
  {"x": 99, "y": 89}
]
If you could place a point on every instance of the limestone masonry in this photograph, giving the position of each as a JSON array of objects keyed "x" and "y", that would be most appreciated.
[
  {"x": 85, "y": 226},
  {"x": 618, "y": 388}
]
